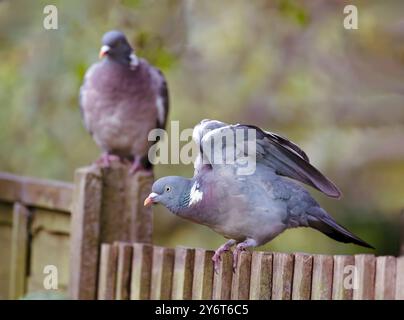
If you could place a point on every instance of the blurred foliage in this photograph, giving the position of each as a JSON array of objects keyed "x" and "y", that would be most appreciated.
[{"x": 285, "y": 65}]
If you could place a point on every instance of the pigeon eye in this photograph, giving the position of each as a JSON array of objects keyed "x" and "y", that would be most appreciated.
[{"x": 167, "y": 189}]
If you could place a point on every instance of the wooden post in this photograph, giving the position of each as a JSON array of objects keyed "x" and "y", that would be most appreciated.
[
  {"x": 19, "y": 251},
  {"x": 321, "y": 287},
  {"x": 107, "y": 207},
  {"x": 261, "y": 276},
  {"x": 343, "y": 277},
  {"x": 203, "y": 275},
  {"x": 302, "y": 275},
  {"x": 183, "y": 274},
  {"x": 123, "y": 216},
  {"x": 282, "y": 276},
  {"x": 241, "y": 279},
  {"x": 85, "y": 234}
]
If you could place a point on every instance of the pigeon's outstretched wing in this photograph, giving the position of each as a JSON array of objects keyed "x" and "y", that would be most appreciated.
[
  {"x": 162, "y": 103},
  {"x": 84, "y": 89},
  {"x": 272, "y": 150}
]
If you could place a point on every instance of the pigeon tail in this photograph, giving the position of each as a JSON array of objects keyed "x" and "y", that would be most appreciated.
[{"x": 321, "y": 221}]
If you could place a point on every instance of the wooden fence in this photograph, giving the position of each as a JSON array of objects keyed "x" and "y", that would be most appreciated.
[
  {"x": 99, "y": 236},
  {"x": 107, "y": 206},
  {"x": 34, "y": 232},
  {"x": 142, "y": 271}
]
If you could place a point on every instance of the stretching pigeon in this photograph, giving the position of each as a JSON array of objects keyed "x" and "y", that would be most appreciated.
[
  {"x": 250, "y": 209},
  {"x": 122, "y": 98}
]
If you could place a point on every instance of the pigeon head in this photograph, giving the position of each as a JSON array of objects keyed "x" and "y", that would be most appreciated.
[
  {"x": 116, "y": 47},
  {"x": 172, "y": 192}
]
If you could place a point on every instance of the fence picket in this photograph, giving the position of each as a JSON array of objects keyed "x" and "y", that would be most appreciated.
[
  {"x": 223, "y": 278},
  {"x": 321, "y": 286},
  {"x": 107, "y": 274},
  {"x": 385, "y": 282},
  {"x": 241, "y": 278},
  {"x": 183, "y": 274},
  {"x": 400, "y": 278},
  {"x": 302, "y": 276},
  {"x": 123, "y": 271},
  {"x": 261, "y": 276},
  {"x": 141, "y": 271},
  {"x": 282, "y": 276},
  {"x": 162, "y": 273},
  {"x": 202, "y": 283},
  {"x": 366, "y": 266},
  {"x": 343, "y": 277}
]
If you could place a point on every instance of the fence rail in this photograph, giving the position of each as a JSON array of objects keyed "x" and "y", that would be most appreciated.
[{"x": 142, "y": 271}]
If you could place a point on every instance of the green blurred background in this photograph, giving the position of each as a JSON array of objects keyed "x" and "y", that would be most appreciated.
[{"x": 286, "y": 66}]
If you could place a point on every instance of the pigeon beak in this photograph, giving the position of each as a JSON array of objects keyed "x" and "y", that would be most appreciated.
[
  {"x": 104, "y": 51},
  {"x": 150, "y": 199}
]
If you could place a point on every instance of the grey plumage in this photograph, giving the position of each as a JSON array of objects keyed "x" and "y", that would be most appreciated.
[
  {"x": 251, "y": 209},
  {"x": 122, "y": 98},
  {"x": 273, "y": 150}
]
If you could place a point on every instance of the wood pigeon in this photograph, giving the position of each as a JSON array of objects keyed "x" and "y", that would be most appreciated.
[
  {"x": 122, "y": 99},
  {"x": 249, "y": 209}
]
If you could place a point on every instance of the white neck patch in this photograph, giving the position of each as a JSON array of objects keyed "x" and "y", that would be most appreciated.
[
  {"x": 195, "y": 194},
  {"x": 134, "y": 61},
  {"x": 160, "y": 110}
]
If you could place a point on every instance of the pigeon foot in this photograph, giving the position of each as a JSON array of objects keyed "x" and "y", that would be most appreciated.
[
  {"x": 137, "y": 166},
  {"x": 217, "y": 256},
  {"x": 105, "y": 160},
  {"x": 240, "y": 248}
]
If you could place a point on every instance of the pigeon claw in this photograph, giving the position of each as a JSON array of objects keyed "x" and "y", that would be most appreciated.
[
  {"x": 105, "y": 160},
  {"x": 217, "y": 256},
  {"x": 137, "y": 166},
  {"x": 239, "y": 248},
  {"x": 216, "y": 262}
]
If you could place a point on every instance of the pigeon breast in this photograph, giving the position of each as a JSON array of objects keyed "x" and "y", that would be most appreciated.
[{"x": 119, "y": 106}]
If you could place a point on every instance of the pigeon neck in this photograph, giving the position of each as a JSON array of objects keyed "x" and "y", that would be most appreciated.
[
  {"x": 192, "y": 196},
  {"x": 130, "y": 60}
]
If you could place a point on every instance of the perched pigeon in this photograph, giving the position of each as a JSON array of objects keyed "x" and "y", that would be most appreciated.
[
  {"x": 252, "y": 209},
  {"x": 122, "y": 98}
]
